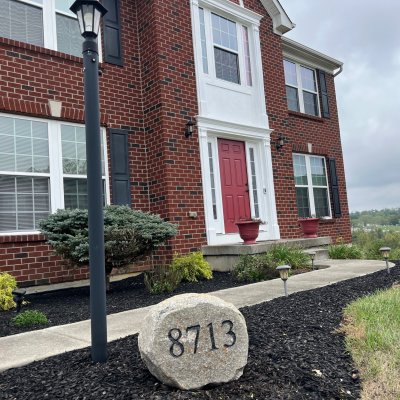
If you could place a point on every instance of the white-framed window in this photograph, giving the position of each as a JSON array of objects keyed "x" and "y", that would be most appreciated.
[
  {"x": 42, "y": 168},
  {"x": 301, "y": 88},
  {"x": 225, "y": 47},
  {"x": 312, "y": 192},
  {"x": 45, "y": 23}
]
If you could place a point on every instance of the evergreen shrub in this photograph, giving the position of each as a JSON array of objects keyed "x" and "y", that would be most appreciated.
[{"x": 129, "y": 235}]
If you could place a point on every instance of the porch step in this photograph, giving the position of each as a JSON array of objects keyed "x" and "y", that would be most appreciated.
[{"x": 225, "y": 257}]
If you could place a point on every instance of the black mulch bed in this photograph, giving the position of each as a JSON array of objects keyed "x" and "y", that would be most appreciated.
[
  {"x": 289, "y": 338},
  {"x": 71, "y": 305}
]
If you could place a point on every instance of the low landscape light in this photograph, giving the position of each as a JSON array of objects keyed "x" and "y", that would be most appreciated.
[
  {"x": 385, "y": 254},
  {"x": 284, "y": 274},
  {"x": 18, "y": 297},
  {"x": 312, "y": 256}
]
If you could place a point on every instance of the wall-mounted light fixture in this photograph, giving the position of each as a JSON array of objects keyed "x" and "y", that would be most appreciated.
[
  {"x": 280, "y": 141},
  {"x": 189, "y": 128}
]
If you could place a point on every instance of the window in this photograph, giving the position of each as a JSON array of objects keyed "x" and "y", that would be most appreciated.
[
  {"x": 254, "y": 183},
  {"x": 301, "y": 88},
  {"x": 34, "y": 179},
  {"x": 225, "y": 47},
  {"x": 311, "y": 186},
  {"x": 45, "y": 23}
]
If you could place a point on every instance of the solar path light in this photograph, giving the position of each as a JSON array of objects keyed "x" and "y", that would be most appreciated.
[
  {"x": 89, "y": 13},
  {"x": 385, "y": 254},
  {"x": 284, "y": 274},
  {"x": 312, "y": 256}
]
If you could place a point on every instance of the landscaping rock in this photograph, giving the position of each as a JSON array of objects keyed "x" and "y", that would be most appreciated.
[{"x": 192, "y": 340}]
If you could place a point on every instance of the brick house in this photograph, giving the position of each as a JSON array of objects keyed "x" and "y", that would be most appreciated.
[{"x": 225, "y": 64}]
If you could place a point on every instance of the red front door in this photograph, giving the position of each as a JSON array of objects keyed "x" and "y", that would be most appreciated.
[{"x": 234, "y": 185}]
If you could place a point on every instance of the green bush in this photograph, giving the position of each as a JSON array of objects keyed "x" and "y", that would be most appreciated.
[
  {"x": 372, "y": 240},
  {"x": 192, "y": 267},
  {"x": 129, "y": 235},
  {"x": 294, "y": 256},
  {"x": 30, "y": 318},
  {"x": 162, "y": 279},
  {"x": 255, "y": 268},
  {"x": 344, "y": 252},
  {"x": 7, "y": 284}
]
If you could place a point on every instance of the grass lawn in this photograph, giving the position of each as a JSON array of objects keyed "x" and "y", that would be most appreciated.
[{"x": 372, "y": 326}]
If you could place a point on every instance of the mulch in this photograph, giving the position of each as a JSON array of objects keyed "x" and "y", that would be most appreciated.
[
  {"x": 295, "y": 352},
  {"x": 72, "y": 305}
]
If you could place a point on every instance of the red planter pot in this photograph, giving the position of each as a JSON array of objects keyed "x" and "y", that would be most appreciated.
[
  {"x": 248, "y": 231},
  {"x": 309, "y": 227}
]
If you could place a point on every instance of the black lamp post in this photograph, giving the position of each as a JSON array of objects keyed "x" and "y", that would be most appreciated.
[{"x": 89, "y": 13}]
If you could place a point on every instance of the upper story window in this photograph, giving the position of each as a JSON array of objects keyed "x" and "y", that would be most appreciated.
[
  {"x": 42, "y": 168},
  {"x": 301, "y": 88},
  {"x": 225, "y": 48},
  {"x": 45, "y": 23},
  {"x": 311, "y": 183}
]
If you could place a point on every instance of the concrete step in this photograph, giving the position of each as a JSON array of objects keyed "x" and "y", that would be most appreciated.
[{"x": 225, "y": 257}]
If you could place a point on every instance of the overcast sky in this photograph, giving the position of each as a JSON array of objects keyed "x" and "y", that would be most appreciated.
[{"x": 367, "y": 39}]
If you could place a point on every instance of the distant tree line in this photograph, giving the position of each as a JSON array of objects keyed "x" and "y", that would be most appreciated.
[{"x": 388, "y": 216}]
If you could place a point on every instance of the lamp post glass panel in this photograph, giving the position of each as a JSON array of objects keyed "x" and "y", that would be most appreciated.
[{"x": 89, "y": 13}]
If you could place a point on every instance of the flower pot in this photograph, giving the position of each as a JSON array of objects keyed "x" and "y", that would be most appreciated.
[
  {"x": 309, "y": 227},
  {"x": 248, "y": 231}
]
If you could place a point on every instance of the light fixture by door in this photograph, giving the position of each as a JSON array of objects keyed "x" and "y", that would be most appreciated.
[
  {"x": 189, "y": 128},
  {"x": 280, "y": 141}
]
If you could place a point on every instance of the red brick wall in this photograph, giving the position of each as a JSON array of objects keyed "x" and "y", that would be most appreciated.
[
  {"x": 152, "y": 96},
  {"x": 298, "y": 130}
]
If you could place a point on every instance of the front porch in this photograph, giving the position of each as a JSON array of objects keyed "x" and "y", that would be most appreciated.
[{"x": 224, "y": 257}]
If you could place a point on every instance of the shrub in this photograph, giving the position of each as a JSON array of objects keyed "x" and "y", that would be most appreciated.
[
  {"x": 162, "y": 279},
  {"x": 255, "y": 268},
  {"x": 30, "y": 318},
  {"x": 294, "y": 256},
  {"x": 129, "y": 235},
  {"x": 7, "y": 284},
  {"x": 344, "y": 251},
  {"x": 192, "y": 267}
]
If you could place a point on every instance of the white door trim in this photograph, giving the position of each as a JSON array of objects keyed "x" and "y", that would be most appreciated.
[{"x": 259, "y": 140}]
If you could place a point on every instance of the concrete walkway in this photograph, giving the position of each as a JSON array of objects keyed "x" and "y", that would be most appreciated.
[{"x": 24, "y": 348}]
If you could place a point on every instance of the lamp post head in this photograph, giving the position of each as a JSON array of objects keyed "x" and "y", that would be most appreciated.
[
  {"x": 283, "y": 271},
  {"x": 89, "y": 13},
  {"x": 385, "y": 251},
  {"x": 312, "y": 255}
]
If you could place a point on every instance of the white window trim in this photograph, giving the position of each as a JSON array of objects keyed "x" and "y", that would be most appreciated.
[
  {"x": 56, "y": 174},
  {"x": 310, "y": 185},
  {"x": 50, "y": 25},
  {"x": 259, "y": 140},
  {"x": 239, "y": 15},
  {"x": 300, "y": 89}
]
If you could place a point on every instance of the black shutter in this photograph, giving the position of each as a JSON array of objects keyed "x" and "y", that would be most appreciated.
[
  {"x": 121, "y": 193},
  {"x": 337, "y": 211},
  {"x": 323, "y": 94},
  {"x": 112, "y": 33}
]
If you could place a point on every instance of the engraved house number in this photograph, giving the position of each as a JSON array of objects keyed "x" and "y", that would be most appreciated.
[{"x": 177, "y": 349}]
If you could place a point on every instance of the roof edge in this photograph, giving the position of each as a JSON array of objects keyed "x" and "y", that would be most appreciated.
[
  {"x": 302, "y": 53},
  {"x": 282, "y": 22}
]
